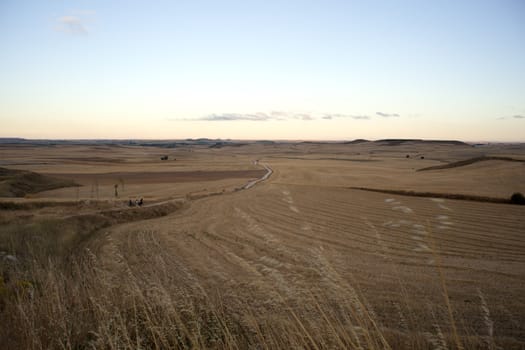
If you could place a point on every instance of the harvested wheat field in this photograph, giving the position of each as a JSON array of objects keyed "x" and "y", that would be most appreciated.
[{"x": 264, "y": 245}]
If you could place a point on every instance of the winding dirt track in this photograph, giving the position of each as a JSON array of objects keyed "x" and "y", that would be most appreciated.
[{"x": 269, "y": 172}]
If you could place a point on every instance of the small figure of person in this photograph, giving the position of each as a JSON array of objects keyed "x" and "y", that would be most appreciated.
[
  {"x": 141, "y": 202},
  {"x": 130, "y": 203}
]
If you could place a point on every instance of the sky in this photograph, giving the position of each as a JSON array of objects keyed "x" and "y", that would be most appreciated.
[{"x": 309, "y": 70}]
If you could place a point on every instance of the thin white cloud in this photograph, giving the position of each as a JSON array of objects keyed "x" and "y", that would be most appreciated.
[
  {"x": 387, "y": 115},
  {"x": 517, "y": 116},
  {"x": 345, "y": 116},
  {"x": 278, "y": 114},
  {"x": 256, "y": 117},
  {"x": 74, "y": 24},
  {"x": 273, "y": 115},
  {"x": 303, "y": 116}
]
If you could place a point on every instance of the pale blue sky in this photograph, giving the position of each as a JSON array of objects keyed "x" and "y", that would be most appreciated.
[{"x": 262, "y": 69}]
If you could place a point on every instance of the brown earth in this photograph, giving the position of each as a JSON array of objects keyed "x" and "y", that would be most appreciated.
[
  {"x": 159, "y": 177},
  {"x": 294, "y": 261}
]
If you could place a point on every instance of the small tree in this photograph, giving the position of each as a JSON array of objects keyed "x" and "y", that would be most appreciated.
[{"x": 517, "y": 198}]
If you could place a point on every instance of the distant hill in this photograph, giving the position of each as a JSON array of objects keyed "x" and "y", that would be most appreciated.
[
  {"x": 355, "y": 142},
  {"x": 227, "y": 144},
  {"x": 212, "y": 142},
  {"x": 397, "y": 142},
  {"x": 11, "y": 140},
  {"x": 18, "y": 183}
]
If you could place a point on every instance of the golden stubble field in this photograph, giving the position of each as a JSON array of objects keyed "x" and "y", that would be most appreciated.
[{"x": 300, "y": 260}]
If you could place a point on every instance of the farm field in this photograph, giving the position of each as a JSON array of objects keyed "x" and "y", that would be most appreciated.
[{"x": 308, "y": 258}]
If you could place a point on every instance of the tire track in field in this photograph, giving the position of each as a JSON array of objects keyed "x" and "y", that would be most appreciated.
[{"x": 457, "y": 227}]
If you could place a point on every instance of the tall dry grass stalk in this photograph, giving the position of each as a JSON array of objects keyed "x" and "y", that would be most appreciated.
[
  {"x": 142, "y": 296},
  {"x": 85, "y": 303}
]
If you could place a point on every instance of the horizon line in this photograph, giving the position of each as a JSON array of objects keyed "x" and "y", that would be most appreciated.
[{"x": 3, "y": 138}]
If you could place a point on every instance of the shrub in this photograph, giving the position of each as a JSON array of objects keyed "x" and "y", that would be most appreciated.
[{"x": 517, "y": 198}]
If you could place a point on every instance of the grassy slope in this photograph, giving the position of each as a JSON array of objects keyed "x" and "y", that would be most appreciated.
[{"x": 19, "y": 183}]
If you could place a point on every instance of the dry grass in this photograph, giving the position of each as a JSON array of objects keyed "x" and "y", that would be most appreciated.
[
  {"x": 83, "y": 304},
  {"x": 18, "y": 183},
  {"x": 296, "y": 262},
  {"x": 464, "y": 197},
  {"x": 76, "y": 300}
]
